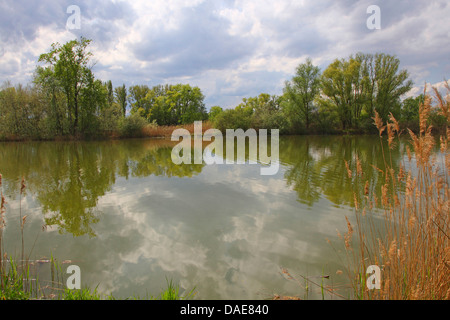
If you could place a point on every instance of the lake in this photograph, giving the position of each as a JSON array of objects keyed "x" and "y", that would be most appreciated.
[{"x": 130, "y": 218}]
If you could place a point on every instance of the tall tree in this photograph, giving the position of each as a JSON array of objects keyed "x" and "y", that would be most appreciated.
[
  {"x": 384, "y": 83},
  {"x": 109, "y": 87},
  {"x": 359, "y": 85},
  {"x": 69, "y": 65},
  {"x": 56, "y": 110},
  {"x": 339, "y": 85},
  {"x": 137, "y": 99},
  {"x": 302, "y": 90},
  {"x": 121, "y": 98}
]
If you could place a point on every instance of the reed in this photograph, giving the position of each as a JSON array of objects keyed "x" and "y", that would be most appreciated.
[
  {"x": 156, "y": 131},
  {"x": 404, "y": 227}
]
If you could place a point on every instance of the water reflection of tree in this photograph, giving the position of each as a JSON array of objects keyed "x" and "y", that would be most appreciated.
[
  {"x": 157, "y": 161},
  {"x": 68, "y": 178},
  {"x": 316, "y": 167}
]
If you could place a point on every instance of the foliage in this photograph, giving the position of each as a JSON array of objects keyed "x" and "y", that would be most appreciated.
[
  {"x": 410, "y": 108},
  {"x": 341, "y": 87},
  {"x": 132, "y": 126},
  {"x": 213, "y": 112},
  {"x": 138, "y": 100},
  {"x": 13, "y": 283},
  {"x": 362, "y": 84},
  {"x": 301, "y": 92},
  {"x": 382, "y": 84},
  {"x": 80, "y": 294},
  {"x": 168, "y": 104},
  {"x": 261, "y": 112},
  {"x": 267, "y": 112},
  {"x": 21, "y": 111},
  {"x": 68, "y": 69},
  {"x": 121, "y": 98},
  {"x": 237, "y": 118},
  {"x": 172, "y": 292}
]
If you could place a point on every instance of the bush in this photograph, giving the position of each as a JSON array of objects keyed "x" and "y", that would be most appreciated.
[
  {"x": 132, "y": 126},
  {"x": 239, "y": 118}
]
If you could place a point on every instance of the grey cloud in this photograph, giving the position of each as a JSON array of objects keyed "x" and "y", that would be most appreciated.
[
  {"x": 20, "y": 20},
  {"x": 101, "y": 20},
  {"x": 201, "y": 43}
]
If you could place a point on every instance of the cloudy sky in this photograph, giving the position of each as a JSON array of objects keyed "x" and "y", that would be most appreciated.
[{"x": 230, "y": 49}]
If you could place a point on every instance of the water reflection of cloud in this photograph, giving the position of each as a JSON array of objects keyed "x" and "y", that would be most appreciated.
[
  {"x": 226, "y": 231},
  {"x": 237, "y": 248}
]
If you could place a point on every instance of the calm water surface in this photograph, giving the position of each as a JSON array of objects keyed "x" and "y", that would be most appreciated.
[{"x": 130, "y": 218}]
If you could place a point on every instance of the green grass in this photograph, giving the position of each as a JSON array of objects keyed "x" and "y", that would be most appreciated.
[
  {"x": 81, "y": 294},
  {"x": 18, "y": 284},
  {"x": 13, "y": 285},
  {"x": 172, "y": 292}
]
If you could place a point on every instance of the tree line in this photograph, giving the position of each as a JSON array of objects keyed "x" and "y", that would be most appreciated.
[
  {"x": 65, "y": 99},
  {"x": 341, "y": 99}
]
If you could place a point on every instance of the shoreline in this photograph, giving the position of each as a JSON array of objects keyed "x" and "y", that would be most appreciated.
[{"x": 165, "y": 136}]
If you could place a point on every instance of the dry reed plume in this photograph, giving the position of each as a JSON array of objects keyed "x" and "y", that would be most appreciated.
[{"x": 409, "y": 238}]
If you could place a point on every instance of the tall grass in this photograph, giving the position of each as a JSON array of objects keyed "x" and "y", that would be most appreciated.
[
  {"x": 154, "y": 131},
  {"x": 408, "y": 235}
]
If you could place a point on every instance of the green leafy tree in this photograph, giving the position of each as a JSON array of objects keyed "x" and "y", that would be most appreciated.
[
  {"x": 267, "y": 113},
  {"x": 410, "y": 108},
  {"x": 340, "y": 87},
  {"x": 213, "y": 112},
  {"x": 175, "y": 104},
  {"x": 301, "y": 91},
  {"x": 237, "y": 118},
  {"x": 110, "y": 89},
  {"x": 21, "y": 111},
  {"x": 359, "y": 85},
  {"x": 383, "y": 83},
  {"x": 56, "y": 121},
  {"x": 121, "y": 98},
  {"x": 261, "y": 112},
  {"x": 69, "y": 66},
  {"x": 94, "y": 99},
  {"x": 138, "y": 100}
]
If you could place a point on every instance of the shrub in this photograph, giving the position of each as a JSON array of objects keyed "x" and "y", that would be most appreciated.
[{"x": 132, "y": 126}]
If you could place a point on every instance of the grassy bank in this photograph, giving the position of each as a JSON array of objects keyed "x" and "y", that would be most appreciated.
[
  {"x": 138, "y": 129},
  {"x": 21, "y": 284}
]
